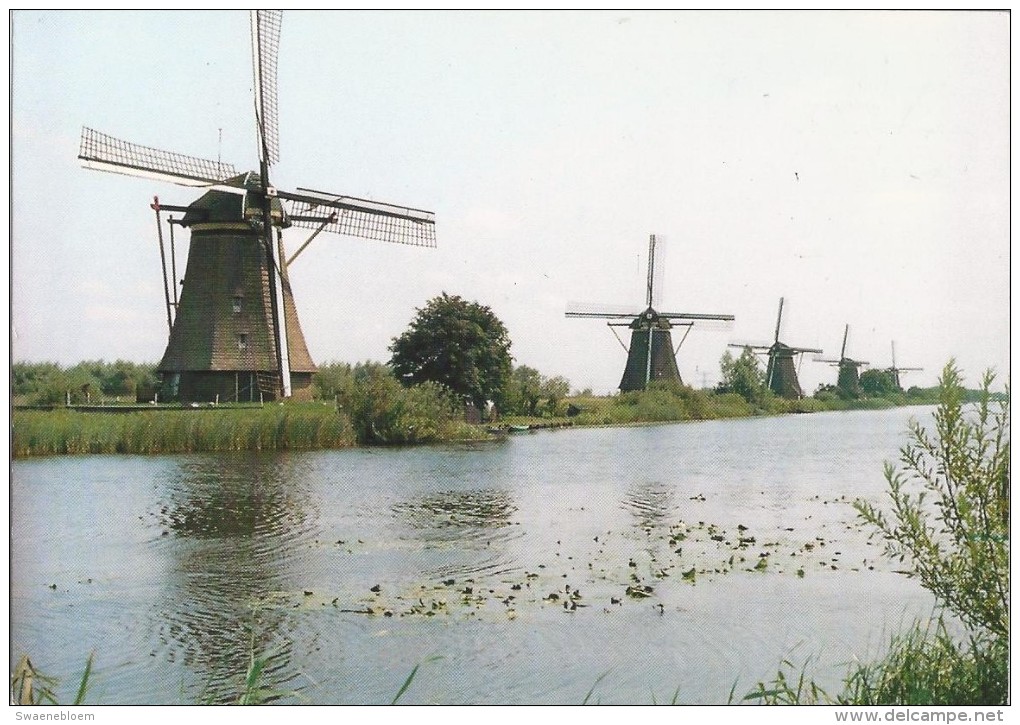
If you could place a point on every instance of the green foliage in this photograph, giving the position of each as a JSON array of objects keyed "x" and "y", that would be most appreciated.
[
  {"x": 950, "y": 507},
  {"x": 48, "y": 383},
  {"x": 743, "y": 375},
  {"x": 337, "y": 380},
  {"x": 31, "y": 687},
  {"x": 531, "y": 393},
  {"x": 382, "y": 411},
  {"x": 275, "y": 427},
  {"x": 949, "y": 521},
  {"x": 878, "y": 383},
  {"x": 925, "y": 666},
  {"x": 254, "y": 691},
  {"x": 461, "y": 345},
  {"x": 662, "y": 402},
  {"x": 928, "y": 667}
]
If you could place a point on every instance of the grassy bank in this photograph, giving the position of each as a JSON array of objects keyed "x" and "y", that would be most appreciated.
[
  {"x": 288, "y": 427},
  {"x": 381, "y": 413}
]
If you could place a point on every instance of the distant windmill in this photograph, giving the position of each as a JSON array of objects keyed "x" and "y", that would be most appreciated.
[
  {"x": 234, "y": 334},
  {"x": 849, "y": 380},
  {"x": 895, "y": 371},
  {"x": 780, "y": 372},
  {"x": 651, "y": 355}
]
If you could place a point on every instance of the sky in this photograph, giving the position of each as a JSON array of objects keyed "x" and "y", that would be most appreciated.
[{"x": 854, "y": 163}]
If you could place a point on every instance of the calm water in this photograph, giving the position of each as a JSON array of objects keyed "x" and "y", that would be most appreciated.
[{"x": 171, "y": 569}]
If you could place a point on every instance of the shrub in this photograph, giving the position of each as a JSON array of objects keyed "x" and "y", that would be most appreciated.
[{"x": 950, "y": 506}]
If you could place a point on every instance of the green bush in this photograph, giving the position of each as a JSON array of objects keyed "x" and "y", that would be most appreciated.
[
  {"x": 925, "y": 666},
  {"x": 949, "y": 523},
  {"x": 383, "y": 411},
  {"x": 950, "y": 506}
]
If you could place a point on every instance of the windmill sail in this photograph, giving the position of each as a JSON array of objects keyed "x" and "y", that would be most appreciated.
[
  {"x": 236, "y": 334},
  {"x": 362, "y": 218},
  {"x": 103, "y": 152},
  {"x": 265, "y": 49}
]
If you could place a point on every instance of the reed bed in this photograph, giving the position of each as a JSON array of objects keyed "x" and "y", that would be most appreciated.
[
  {"x": 56, "y": 432},
  {"x": 924, "y": 666}
]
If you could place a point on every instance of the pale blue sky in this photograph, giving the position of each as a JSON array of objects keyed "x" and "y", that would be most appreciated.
[{"x": 855, "y": 163}]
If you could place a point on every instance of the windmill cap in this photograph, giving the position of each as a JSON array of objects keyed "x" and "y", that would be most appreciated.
[{"x": 222, "y": 207}]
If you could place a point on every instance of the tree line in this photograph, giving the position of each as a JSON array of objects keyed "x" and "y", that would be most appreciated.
[{"x": 48, "y": 383}]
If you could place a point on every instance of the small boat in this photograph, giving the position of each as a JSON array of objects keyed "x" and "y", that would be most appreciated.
[{"x": 518, "y": 428}]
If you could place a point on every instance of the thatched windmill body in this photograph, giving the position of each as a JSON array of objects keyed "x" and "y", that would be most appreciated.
[
  {"x": 895, "y": 371},
  {"x": 848, "y": 380},
  {"x": 780, "y": 371},
  {"x": 234, "y": 329},
  {"x": 651, "y": 355}
]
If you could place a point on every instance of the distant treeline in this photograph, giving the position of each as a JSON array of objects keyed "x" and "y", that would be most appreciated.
[
  {"x": 360, "y": 404},
  {"x": 48, "y": 383}
]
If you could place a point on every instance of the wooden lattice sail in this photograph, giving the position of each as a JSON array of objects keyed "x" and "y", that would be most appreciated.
[
  {"x": 234, "y": 330},
  {"x": 651, "y": 355}
]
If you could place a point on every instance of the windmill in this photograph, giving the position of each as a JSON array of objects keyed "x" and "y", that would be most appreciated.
[
  {"x": 848, "y": 379},
  {"x": 651, "y": 355},
  {"x": 234, "y": 330},
  {"x": 780, "y": 372},
  {"x": 895, "y": 371}
]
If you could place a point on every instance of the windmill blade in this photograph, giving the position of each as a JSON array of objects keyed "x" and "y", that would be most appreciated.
[
  {"x": 603, "y": 315},
  {"x": 779, "y": 320},
  {"x": 265, "y": 49},
  {"x": 361, "y": 217},
  {"x": 696, "y": 316},
  {"x": 798, "y": 350},
  {"x": 102, "y": 152},
  {"x": 602, "y": 309},
  {"x": 749, "y": 346}
]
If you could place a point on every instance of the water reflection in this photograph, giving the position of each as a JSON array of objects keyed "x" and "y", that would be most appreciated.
[
  {"x": 236, "y": 528},
  {"x": 466, "y": 524},
  {"x": 651, "y": 503},
  {"x": 457, "y": 515}
]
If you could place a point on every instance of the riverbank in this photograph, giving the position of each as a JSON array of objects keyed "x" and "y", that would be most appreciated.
[{"x": 319, "y": 425}]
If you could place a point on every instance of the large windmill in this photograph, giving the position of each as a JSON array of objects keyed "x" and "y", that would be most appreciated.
[
  {"x": 651, "y": 355},
  {"x": 234, "y": 331},
  {"x": 895, "y": 371},
  {"x": 848, "y": 380},
  {"x": 780, "y": 372}
]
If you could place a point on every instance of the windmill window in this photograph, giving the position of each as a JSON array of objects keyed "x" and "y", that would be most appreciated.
[
  {"x": 242, "y": 341},
  {"x": 237, "y": 303}
]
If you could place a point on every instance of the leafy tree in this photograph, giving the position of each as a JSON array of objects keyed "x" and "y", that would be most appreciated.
[
  {"x": 950, "y": 506},
  {"x": 48, "y": 383},
  {"x": 338, "y": 380},
  {"x": 524, "y": 392},
  {"x": 878, "y": 383},
  {"x": 531, "y": 393},
  {"x": 384, "y": 411},
  {"x": 743, "y": 375},
  {"x": 555, "y": 389},
  {"x": 459, "y": 344}
]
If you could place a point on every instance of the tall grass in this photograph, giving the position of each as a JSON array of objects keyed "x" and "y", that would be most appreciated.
[
  {"x": 31, "y": 687},
  {"x": 276, "y": 427},
  {"x": 925, "y": 666}
]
